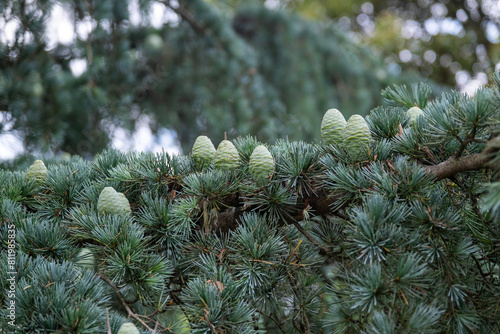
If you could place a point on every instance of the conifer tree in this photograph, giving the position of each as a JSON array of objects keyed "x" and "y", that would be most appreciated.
[{"x": 402, "y": 237}]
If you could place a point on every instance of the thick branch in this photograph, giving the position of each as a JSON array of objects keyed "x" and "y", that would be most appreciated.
[{"x": 472, "y": 162}]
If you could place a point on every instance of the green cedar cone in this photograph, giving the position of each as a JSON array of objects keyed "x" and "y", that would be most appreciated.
[
  {"x": 128, "y": 328},
  {"x": 203, "y": 151},
  {"x": 110, "y": 201},
  {"x": 333, "y": 127},
  {"x": 413, "y": 113},
  {"x": 227, "y": 156},
  {"x": 37, "y": 172},
  {"x": 125, "y": 203},
  {"x": 357, "y": 137},
  {"x": 86, "y": 259},
  {"x": 261, "y": 163}
]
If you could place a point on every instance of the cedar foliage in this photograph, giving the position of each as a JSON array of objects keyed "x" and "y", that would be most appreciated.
[{"x": 405, "y": 241}]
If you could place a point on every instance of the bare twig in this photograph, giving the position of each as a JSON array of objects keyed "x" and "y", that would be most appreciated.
[
  {"x": 463, "y": 145},
  {"x": 303, "y": 326},
  {"x": 323, "y": 249},
  {"x": 341, "y": 215},
  {"x": 279, "y": 324},
  {"x": 124, "y": 302},
  {"x": 206, "y": 220},
  {"x": 107, "y": 322},
  {"x": 212, "y": 327}
]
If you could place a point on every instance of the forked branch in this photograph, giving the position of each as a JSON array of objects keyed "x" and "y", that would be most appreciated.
[{"x": 472, "y": 162}]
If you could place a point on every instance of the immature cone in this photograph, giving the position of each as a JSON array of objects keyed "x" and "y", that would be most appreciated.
[
  {"x": 37, "y": 172},
  {"x": 203, "y": 150},
  {"x": 333, "y": 127},
  {"x": 357, "y": 137},
  {"x": 128, "y": 328},
  {"x": 261, "y": 163},
  {"x": 125, "y": 203},
  {"x": 227, "y": 156},
  {"x": 413, "y": 113},
  {"x": 112, "y": 202},
  {"x": 86, "y": 258}
]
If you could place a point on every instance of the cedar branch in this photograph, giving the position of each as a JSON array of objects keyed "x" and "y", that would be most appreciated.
[{"x": 454, "y": 165}]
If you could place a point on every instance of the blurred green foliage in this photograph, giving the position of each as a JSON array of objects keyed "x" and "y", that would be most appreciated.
[
  {"x": 438, "y": 38},
  {"x": 210, "y": 67}
]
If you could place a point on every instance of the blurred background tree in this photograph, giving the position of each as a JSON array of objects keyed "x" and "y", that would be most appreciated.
[
  {"x": 451, "y": 42},
  {"x": 192, "y": 67}
]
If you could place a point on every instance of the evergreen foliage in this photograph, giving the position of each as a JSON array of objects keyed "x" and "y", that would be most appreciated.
[{"x": 405, "y": 241}]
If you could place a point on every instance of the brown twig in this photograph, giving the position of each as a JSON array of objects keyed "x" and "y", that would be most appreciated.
[
  {"x": 322, "y": 249},
  {"x": 124, "y": 302},
  {"x": 212, "y": 327},
  {"x": 463, "y": 143},
  {"x": 303, "y": 326},
  {"x": 278, "y": 324},
  {"x": 107, "y": 322},
  {"x": 341, "y": 215},
  {"x": 186, "y": 15},
  {"x": 206, "y": 219}
]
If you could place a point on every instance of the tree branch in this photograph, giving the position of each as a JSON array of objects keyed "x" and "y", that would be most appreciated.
[
  {"x": 186, "y": 15},
  {"x": 124, "y": 302},
  {"x": 303, "y": 326},
  {"x": 322, "y": 249},
  {"x": 463, "y": 143},
  {"x": 108, "y": 326},
  {"x": 455, "y": 165}
]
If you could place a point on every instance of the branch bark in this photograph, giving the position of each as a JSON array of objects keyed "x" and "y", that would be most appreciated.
[{"x": 472, "y": 162}]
